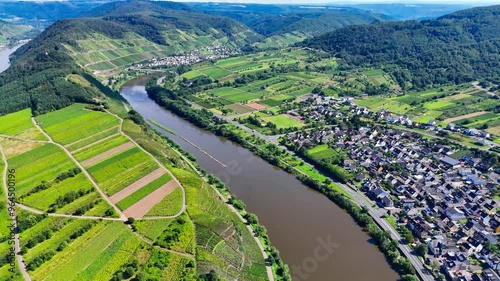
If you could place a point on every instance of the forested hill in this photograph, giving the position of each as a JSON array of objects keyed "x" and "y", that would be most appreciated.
[
  {"x": 45, "y": 74},
  {"x": 157, "y": 20},
  {"x": 460, "y": 47},
  {"x": 271, "y": 20}
]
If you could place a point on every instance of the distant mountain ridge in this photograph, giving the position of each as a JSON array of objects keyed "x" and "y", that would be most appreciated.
[
  {"x": 403, "y": 11},
  {"x": 459, "y": 47},
  {"x": 154, "y": 29},
  {"x": 287, "y": 24}
]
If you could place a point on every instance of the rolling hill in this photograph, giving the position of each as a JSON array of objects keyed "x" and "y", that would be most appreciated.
[
  {"x": 10, "y": 31},
  {"x": 106, "y": 43},
  {"x": 43, "y": 14},
  {"x": 460, "y": 47},
  {"x": 402, "y": 11},
  {"x": 287, "y": 24}
]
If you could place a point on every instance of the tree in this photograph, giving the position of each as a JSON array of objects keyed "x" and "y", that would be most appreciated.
[
  {"x": 405, "y": 266},
  {"x": 251, "y": 218},
  {"x": 409, "y": 277},
  {"x": 260, "y": 230},
  {"x": 407, "y": 235},
  {"x": 421, "y": 249},
  {"x": 211, "y": 276},
  {"x": 435, "y": 265}
]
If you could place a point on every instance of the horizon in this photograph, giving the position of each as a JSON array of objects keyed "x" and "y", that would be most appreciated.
[{"x": 305, "y": 2}]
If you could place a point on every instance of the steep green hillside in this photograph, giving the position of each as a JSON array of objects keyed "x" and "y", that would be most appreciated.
[
  {"x": 460, "y": 47},
  {"x": 156, "y": 29},
  {"x": 74, "y": 46}
]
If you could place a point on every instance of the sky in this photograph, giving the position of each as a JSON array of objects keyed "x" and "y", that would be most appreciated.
[{"x": 473, "y": 2}]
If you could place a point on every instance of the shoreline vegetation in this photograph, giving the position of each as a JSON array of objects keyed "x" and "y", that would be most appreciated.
[
  {"x": 162, "y": 127},
  {"x": 271, "y": 255},
  {"x": 204, "y": 119}
]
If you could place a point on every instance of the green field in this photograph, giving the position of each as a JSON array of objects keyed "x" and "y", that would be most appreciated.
[
  {"x": 16, "y": 123},
  {"x": 74, "y": 123},
  {"x": 44, "y": 199},
  {"x": 143, "y": 192},
  {"x": 118, "y": 163},
  {"x": 99, "y": 147},
  {"x": 321, "y": 152},
  {"x": 428, "y": 116},
  {"x": 283, "y": 121},
  {"x": 169, "y": 206},
  {"x": 215, "y": 72},
  {"x": 43, "y": 163},
  {"x": 222, "y": 92},
  {"x": 94, "y": 256}
]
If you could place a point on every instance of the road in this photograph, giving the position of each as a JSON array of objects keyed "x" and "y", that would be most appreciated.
[
  {"x": 17, "y": 245},
  {"x": 360, "y": 199},
  {"x": 476, "y": 85}
]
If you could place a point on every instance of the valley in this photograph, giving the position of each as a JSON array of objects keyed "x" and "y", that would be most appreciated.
[{"x": 167, "y": 141}]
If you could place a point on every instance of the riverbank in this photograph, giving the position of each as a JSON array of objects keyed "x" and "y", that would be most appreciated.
[
  {"x": 275, "y": 268},
  {"x": 275, "y": 156},
  {"x": 296, "y": 217}
]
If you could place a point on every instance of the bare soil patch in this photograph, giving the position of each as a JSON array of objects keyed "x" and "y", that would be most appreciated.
[
  {"x": 107, "y": 154},
  {"x": 117, "y": 197},
  {"x": 474, "y": 114},
  {"x": 257, "y": 106},
  {"x": 14, "y": 147},
  {"x": 141, "y": 208}
]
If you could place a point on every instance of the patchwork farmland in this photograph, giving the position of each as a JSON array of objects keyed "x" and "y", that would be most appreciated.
[
  {"x": 74, "y": 195},
  {"x": 462, "y": 105},
  {"x": 264, "y": 85},
  {"x": 114, "y": 162}
]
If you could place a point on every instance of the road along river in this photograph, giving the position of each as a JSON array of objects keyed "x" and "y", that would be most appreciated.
[{"x": 317, "y": 239}]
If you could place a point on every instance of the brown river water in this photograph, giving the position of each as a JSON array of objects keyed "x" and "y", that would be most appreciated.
[{"x": 317, "y": 239}]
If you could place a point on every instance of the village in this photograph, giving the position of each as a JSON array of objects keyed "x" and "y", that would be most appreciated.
[
  {"x": 198, "y": 55},
  {"x": 449, "y": 203}
]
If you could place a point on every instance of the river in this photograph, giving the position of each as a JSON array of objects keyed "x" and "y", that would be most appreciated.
[
  {"x": 4, "y": 57},
  {"x": 317, "y": 239}
]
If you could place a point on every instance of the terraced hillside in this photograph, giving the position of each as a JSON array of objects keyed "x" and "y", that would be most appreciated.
[
  {"x": 106, "y": 45},
  {"x": 93, "y": 204},
  {"x": 156, "y": 30}
]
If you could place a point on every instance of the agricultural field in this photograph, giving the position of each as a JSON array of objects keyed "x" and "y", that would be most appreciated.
[
  {"x": 462, "y": 105},
  {"x": 75, "y": 123},
  {"x": 83, "y": 172},
  {"x": 271, "y": 81},
  {"x": 19, "y": 125},
  {"x": 323, "y": 151},
  {"x": 220, "y": 243},
  {"x": 122, "y": 169},
  {"x": 143, "y": 192},
  {"x": 283, "y": 121}
]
